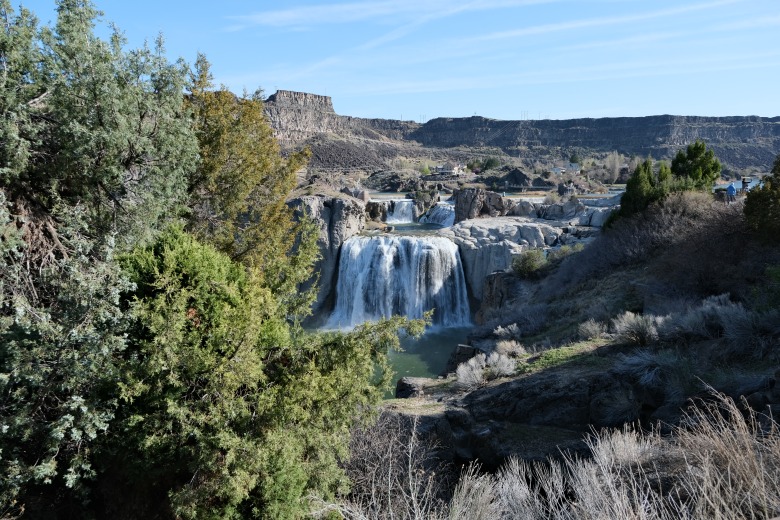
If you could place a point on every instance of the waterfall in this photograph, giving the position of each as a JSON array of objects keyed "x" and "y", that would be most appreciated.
[
  {"x": 389, "y": 275},
  {"x": 400, "y": 212},
  {"x": 442, "y": 214}
]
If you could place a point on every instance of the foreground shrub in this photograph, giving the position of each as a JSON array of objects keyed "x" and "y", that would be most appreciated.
[
  {"x": 718, "y": 464},
  {"x": 394, "y": 472},
  {"x": 591, "y": 329},
  {"x": 481, "y": 368},
  {"x": 762, "y": 206},
  {"x": 529, "y": 263},
  {"x": 636, "y": 328}
]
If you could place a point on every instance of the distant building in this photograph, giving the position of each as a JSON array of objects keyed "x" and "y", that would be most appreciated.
[
  {"x": 574, "y": 168},
  {"x": 449, "y": 168}
]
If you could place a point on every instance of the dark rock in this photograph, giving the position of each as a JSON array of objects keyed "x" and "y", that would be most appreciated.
[
  {"x": 338, "y": 219},
  {"x": 475, "y": 202},
  {"x": 461, "y": 354},
  {"x": 410, "y": 387}
]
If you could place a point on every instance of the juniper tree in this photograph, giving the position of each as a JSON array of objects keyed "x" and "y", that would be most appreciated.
[
  {"x": 697, "y": 164},
  {"x": 239, "y": 189}
]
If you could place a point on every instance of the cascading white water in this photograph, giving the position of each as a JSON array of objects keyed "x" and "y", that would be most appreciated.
[
  {"x": 442, "y": 214},
  {"x": 399, "y": 275},
  {"x": 400, "y": 212}
]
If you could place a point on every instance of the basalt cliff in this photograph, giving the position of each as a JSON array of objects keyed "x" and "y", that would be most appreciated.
[{"x": 741, "y": 142}]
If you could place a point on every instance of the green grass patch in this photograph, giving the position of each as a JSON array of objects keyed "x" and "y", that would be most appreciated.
[{"x": 579, "y": 354}]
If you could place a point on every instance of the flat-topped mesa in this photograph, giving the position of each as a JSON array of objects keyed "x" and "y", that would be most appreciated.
[
  {"x": 298, "y": 116},
  {"x": 291, "y": 99}
]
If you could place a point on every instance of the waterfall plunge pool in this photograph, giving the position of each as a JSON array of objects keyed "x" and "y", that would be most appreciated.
[{"x": 428, "y": 355}]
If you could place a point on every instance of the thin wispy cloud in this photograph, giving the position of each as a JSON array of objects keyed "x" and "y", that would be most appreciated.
[
  {"x": 343, "y": 13},
  {"x": 599, "y": 22}
]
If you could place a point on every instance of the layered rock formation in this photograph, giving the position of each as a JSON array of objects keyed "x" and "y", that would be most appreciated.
[
  {"x": 737, "y": 141},
  {"x": 298, "y": 117},
  {"x": 489, "y": 244},
  {"x": 491, "y": 230}
]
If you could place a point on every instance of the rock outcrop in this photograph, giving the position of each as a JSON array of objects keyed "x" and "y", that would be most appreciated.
[
  {"x": 475, "y": 202},
  {"x": 297, "y": 116},
  {"x": 489, "y": 244},
  {"x": 350, "y": 142},
  {"x": 338, "y": 219}
]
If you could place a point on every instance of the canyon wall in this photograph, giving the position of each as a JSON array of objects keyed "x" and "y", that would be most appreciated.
[
  {"x": 739, "y": 141},
  {"x": 297, "y": 116}
]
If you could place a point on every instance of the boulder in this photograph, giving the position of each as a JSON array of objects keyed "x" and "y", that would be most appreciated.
[
  {"x": 524, "y": 208},
  {"x": 475, "y": 202},
  {"x": 357, "y": 193}
]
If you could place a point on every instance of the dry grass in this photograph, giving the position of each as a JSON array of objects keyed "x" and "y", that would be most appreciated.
[
  {"x": 725, "y": 466},
  {"x": 719, "y": 464}
]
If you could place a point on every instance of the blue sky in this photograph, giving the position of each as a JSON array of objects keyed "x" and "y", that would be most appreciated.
[{"x": 505, "y": 59}]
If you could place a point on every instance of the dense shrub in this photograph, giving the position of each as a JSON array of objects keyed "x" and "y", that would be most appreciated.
[
  {"x": 481, "y": 368},
  {"x": 637, "y": 329},
  {"x": 529, "y": 263},
  {"x": 682, "y": 227},
  {"x": 718, "y": 464},
  {"x": 591, "y": 329},
  {"x": 762, "y": 206},
  {"x": 470, "y": 374},
  {"x": 394, "y": 471}
]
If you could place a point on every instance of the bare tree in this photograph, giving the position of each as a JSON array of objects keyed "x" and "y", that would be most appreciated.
[
  {"x": 395, "y": 473},
  {"x": 613, "y": 163}
]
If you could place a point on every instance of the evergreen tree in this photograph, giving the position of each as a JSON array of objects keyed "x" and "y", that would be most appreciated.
[
  {"x": 95, "y": 146},
  {"x": 175, "y": 383},
  {"x": 697, "y": 164},
  {"x": 695, "y": 169},
  {"x": 239, "y": 189},
  {"x": 224, "y": 405},
  {"x": 645, "y": 187}
]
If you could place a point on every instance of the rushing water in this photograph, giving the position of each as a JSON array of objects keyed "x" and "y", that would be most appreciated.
[
  {"x": 399, "y": 275},
  {"x": 400, "y": 211},
  {"x": 442, "y": 214}
]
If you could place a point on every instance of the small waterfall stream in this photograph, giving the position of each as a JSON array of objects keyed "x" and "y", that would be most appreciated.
[
  {"x": 400, "y": 212},
  {"x": 442, "y": 214},
  {"x": 399, "y": 275}
]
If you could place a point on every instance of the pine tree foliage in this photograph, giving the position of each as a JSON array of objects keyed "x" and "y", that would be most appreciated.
[
  {"x": 225, "y": 400},
  {"x": 60, "y": 332},
  {"x": 20, "y": 89},
  {"x": 645, "y": 187},
  {"x": 93, "y": 124},
  {"x": 693, "y": 169},
  {"x": 697, "y": 164}
]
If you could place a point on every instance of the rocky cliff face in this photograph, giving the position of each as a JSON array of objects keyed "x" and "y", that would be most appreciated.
[
  {"x": 298, "y": 116},
  {"x": 739, "y": 142},
  {"x": 491, "y": 230},
  {"x": 338, "y": 219}
]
